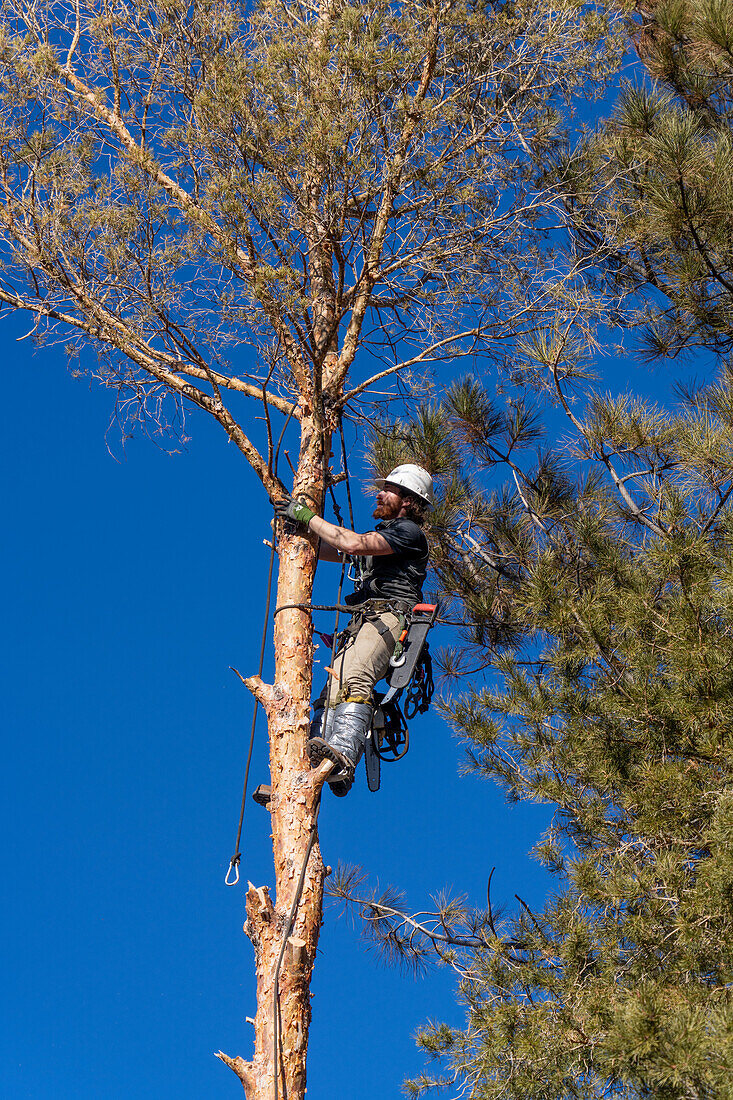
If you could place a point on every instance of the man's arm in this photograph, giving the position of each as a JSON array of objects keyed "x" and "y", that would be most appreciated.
[
  {"x": 327, "y": 553},
  {"x": 339, "y": 539},
  {"x": 344, "y": 541}
]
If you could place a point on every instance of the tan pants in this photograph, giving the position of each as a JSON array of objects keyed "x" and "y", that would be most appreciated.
[{"x": 362, "y": 662}]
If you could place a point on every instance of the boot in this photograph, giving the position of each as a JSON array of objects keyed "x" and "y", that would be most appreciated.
[
  {"x": 317, "y": 729},
  {"x": 318, "y": 748},
  {"x": 350, "y": 728},
  {"x": 342, "y": 775}
]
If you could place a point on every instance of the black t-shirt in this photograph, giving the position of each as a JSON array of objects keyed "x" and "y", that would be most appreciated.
[{"x": 401, "y": 574}]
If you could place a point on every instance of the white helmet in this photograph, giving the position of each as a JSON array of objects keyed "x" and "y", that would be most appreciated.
[{"x": 412, "y": 478}]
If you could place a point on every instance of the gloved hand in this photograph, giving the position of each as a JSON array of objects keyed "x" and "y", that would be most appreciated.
[{"x": 295, "y": 510}]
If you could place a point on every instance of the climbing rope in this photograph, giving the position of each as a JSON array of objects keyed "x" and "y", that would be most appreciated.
[
  {"x": 339, "y": 608},
  {"x": 345, "y": 465},
  {"x": 420, "y": 692},
  {"x": 236, "y": 858},
  {"x": 235, "y": 861},
  {"x": 277, "y": 1044},
  {"x": 418, "y": 698}
]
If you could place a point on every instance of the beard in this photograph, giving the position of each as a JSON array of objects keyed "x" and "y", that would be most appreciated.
[{"x": 387, "y": 511}]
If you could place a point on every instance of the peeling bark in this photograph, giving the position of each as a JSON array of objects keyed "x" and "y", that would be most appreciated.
[{"x": 293, "y": 807}]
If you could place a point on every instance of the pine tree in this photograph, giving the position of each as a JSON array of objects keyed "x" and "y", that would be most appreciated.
[
  {"x": 649, "y": 197},
  {"x": 594, "y": 594},
  {"x": 311, "y": 181},
  {"x": 598, "y": 589}
]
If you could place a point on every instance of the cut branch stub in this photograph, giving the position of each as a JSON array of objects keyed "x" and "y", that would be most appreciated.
[{"x": 242, "y": 1069}]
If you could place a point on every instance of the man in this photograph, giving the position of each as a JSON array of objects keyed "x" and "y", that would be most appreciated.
[{"x": 393, "y": 573}]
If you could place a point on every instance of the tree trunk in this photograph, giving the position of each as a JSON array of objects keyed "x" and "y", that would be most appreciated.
[{"x": 293, "y": 806}]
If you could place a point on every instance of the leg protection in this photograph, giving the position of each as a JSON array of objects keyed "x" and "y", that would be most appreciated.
[
  {"x": 351, "y": 722},
  {"x": 345, "y": 744},
  {"x": 317, "y": 725},
  {"x": 318, "y": 747},
  {"x": 350, "y": 728}
]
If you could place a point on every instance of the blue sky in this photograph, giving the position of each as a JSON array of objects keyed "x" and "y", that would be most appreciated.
[
  {"x": 133, "y": 580},
  {"x": 132, "y": 583}
]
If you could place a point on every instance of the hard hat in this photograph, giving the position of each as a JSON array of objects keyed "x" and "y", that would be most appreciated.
[{"x": 412, "y": 478}]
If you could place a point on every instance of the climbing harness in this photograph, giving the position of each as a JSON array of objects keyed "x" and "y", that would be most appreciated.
[{"x": 411, "y": 670}]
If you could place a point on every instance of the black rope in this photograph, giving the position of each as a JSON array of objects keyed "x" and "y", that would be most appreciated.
[
  {"x": 422, "y": 687},
  {"x": 345, "y": 465},
  {"x": 336, "y": 509},
  {"x": 277, "y": 1045},
  {"x": 397, "y": 736},
  {"x": 339, "y": 607},
  {"x": 235, "y": 860},
  {"x": 234, "y": 863}
]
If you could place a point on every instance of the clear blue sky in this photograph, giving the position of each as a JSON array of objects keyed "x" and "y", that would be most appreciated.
[{"x": 131, "y": 585}]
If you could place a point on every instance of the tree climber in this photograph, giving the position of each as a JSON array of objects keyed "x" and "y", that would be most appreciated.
[{"x": 393, "y": 568}]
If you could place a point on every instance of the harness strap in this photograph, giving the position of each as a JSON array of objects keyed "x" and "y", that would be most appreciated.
[
  {"x": 380, "y": 626},
  {"x": 372, "y": 612}
]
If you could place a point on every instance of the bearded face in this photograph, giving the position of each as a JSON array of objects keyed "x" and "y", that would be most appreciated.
[{"x": 389, "y": 504}]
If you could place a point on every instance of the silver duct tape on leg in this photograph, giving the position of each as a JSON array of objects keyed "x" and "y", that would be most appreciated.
[
  {"x": 318, "y": 727},
  {"x": 351, "y": 723}
]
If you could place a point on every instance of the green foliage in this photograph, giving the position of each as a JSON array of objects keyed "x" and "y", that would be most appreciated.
[
  {"x": 600, "y": 591},
  {"x": 650, "y": 196}
]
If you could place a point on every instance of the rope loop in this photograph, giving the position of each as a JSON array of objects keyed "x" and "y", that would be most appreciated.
[{"x": 233, "y": 866}]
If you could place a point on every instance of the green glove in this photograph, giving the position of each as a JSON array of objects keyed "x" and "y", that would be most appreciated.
[{"x": 295, "y": 510}]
